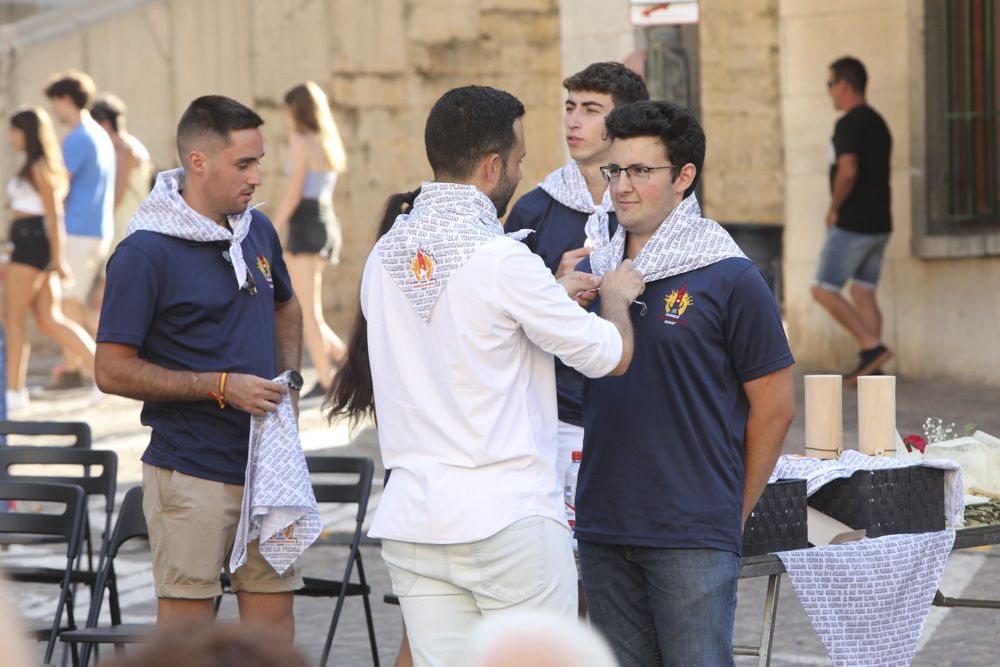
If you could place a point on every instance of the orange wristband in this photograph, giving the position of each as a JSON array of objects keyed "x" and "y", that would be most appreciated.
[{"x": 220, "y": 396}]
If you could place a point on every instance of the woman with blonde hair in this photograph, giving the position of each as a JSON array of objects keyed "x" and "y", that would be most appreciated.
[
  {"x": 38, "y": 262},
  {"x": 305, "y": 219}
]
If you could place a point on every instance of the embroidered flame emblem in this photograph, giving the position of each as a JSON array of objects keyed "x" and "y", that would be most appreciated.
[
  {"x": 678, "y": 301},
  {"x": 264, "y": 266},
  {"x": 422, "y": 266}
]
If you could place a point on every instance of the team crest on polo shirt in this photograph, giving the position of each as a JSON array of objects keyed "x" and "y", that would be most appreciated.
[
  {"x": 422, "y": 268},
  {"x": 265, "y": 269},
  {"x": 677, "y": 303}
]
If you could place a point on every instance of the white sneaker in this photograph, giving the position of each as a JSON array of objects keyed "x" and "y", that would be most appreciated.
[{"x": 17, "y": 399}]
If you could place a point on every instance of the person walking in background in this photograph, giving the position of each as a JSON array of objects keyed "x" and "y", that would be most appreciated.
[
  {"x": 38, "y": 263},
  {"x": 133, "y": 172},
  {"x": 133, "y": 165},
  {"x": 306, "y": 220},
  {"x": 90, "y": 159},
  {"x": 859, "y": 219},
  {"x": 572, "y": 203}
]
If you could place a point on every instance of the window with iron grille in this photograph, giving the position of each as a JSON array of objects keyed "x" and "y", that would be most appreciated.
[{"x": 963, "y": 126}]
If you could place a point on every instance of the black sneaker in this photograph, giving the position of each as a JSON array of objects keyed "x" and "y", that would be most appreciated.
[
  {"x": 869, "y": 362},
  {"x": 317, "y": 391}
]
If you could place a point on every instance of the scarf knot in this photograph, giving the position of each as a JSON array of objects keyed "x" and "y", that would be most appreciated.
[
  {"x": 568, "y": 187},
  {"x": 165, "y": 212}
]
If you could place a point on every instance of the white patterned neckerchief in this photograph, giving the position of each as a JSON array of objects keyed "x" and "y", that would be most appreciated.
[
  {"x": 568, "y": 187},
  {"x": 426, "y": 246},
  {"x": 685, "y": 241},
  {"x": 164, "y": 211}
]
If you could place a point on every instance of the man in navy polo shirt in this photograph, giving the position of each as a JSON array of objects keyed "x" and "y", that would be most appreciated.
[
  {"x": 678, "y": 449},
  {"x": 198, "y": 317},
  {"x": 573, "y": 204}
]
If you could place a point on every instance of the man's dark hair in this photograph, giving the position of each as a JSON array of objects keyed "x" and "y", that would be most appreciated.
[
  {"x": 466, "y": 125},
  {"x": 77, "y": 85},
  {"x": 614, "y": 79},
  {"x": 674, "y": 125},
  {"x": 852, "y": 71},
  {"x": 109, "y": 108},
  {"x": 213, "y": 116}
]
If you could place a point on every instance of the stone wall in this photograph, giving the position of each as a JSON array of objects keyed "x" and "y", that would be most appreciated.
[
  {"x": 741, "y": 111},
  {"x": 383, "y": 63}
]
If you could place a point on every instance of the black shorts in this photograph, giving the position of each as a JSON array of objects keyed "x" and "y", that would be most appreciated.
[
  {"x": 31, "y": 243},
  {"x": 313, "y": 230}
]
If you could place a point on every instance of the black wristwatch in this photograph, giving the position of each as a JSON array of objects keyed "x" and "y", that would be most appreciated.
[{"x": 294, "y": 379}]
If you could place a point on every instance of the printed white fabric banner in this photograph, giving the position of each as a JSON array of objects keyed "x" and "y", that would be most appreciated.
[
  {"x": 868, "y": 600},
  {"x": 279, "y": 507}
]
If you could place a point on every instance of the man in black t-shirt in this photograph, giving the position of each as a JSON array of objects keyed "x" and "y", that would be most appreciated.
[{"x": 859, "y": 219}]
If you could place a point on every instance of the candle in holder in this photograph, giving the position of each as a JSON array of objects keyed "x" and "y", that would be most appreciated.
[
  {"x": 877, "y": 415},
  {"x": 824, "y": 416}
]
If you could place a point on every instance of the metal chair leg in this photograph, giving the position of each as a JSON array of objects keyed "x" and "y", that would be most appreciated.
[
  {"x": 368, "y": 611},
  {"x": 770, "y": 615}
]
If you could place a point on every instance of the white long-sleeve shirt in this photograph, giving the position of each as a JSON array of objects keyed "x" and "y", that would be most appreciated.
[{"x": 466, "y": 401}]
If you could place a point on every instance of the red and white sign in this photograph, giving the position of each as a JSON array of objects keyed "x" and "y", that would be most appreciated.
[{"x": 650, "y": 12}]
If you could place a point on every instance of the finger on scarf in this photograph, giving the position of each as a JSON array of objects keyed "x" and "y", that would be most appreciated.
[{"x": 578, "y": 281}]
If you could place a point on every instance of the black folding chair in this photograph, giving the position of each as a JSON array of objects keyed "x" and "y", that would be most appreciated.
[
  {"x": 353, "y": 492},
  {"x": 102, "y": 484},
  {"x": 67, "y": 524},
  {"x": 79, "y": 431},
  {"x": 47, "y": 434},
  {"x": 131, "y": 524}
]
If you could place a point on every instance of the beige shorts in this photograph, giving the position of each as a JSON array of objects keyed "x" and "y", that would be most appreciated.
[
  {"x": 86, "y": 255},
  {"x": 192, "y": 527}
]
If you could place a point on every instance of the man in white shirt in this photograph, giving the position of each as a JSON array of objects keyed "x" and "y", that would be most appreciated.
[{"x": 462, "y": 325}]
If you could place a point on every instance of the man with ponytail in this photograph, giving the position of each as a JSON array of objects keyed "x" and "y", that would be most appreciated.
[{"x": 461, "y": 324}]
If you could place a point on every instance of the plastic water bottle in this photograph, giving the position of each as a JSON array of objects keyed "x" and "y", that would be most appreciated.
[{"x": 569, "y": 491}]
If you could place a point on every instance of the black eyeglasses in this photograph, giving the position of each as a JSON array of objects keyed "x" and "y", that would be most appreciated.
[
  {"x": 637, "y": 173},
  {"x": 248, "y": 284}
]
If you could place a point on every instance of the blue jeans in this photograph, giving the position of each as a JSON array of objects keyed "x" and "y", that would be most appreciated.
[
  {"x": 674, "y": 605},
  {"x": 850, "y": 255}
]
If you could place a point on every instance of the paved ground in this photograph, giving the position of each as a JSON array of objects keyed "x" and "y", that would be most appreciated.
[{"x": 952, "y": 637}]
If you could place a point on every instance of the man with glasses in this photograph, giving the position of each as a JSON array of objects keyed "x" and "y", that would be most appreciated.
[
  {"x": 572, "y": 205},
  {"x": 198, "y": 317},
  {"x": 859, "y": 219},
  {"x": 680, "y": 447}
]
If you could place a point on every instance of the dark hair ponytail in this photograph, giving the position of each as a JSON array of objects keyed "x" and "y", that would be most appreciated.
[{"x": 351, "y": 393}]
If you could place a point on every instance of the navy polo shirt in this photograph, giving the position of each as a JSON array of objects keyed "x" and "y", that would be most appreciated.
[
  {"x": 663, "y": 444},
  {"x": 178, "y": 303},
  {"x": 558, "y": 229}
]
